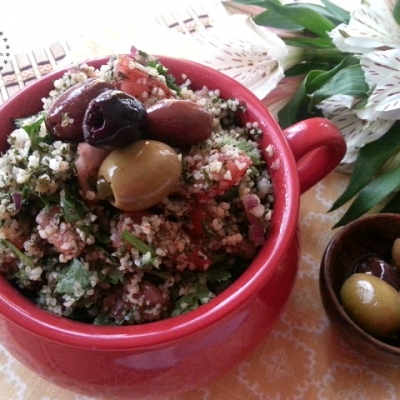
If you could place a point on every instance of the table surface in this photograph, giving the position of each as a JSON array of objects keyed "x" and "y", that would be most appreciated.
[{"x": 302, "y": 358}]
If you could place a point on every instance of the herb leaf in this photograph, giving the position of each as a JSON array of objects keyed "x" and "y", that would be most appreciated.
[
  {"x": 75, "y": 275},
  {"x": 33, "y": 131},
  {"x": 143, "y": 248},
  {"x": 201, "y": 295},
  {"x": 74, "y": 209},
  {"x": 137, "y": 243},
  {"x": 24, "y": 258}
]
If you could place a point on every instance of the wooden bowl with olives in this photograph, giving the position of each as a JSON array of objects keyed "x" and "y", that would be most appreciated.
[{"x": 360, "y": 283}]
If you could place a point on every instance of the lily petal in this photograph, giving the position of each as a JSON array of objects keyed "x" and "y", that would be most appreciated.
[
  {"x": 379, "y": 64},
  {"x": 282, "y": 94},
  {"x": 382, "y": 73},
  {"x": 357, "y": 133},
  {"x": 337, "y": 104},
  {"x": 371, "y": 27},
  {"x": 352, "y": 129},
  {"x": 358, "y": 127},
  {"x": 239, "y": 49}
]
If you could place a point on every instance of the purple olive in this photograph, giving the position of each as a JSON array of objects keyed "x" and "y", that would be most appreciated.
[
  {"x": 374, "y": 265},
  {"x": 65, "y": 116},
  {"x": 113, "y": 119},
  {"x": 178, "y": 122}
]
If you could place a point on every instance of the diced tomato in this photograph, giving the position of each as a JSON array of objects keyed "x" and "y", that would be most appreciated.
[
  {"x": 199, "y": 259},
  {"x": 236, "y": 173},
  {"x": 198, "y": 214},
  {"x": 138, "y": 83}
]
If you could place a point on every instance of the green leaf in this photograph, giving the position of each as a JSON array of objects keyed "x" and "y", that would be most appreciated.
[
  {"x": 73, "y": 274},
  {"x": 372, "y": 194},
  {"x": 103, "y": 318},
  {"x": 310, "y": 19},
  {"x": 336, "y": 12},
  {"x": 273, "y": 19},
  {"x": 393, "y": 206},
  {"x": 321, "y": 78},
  {"x": 137, "y": 243},
  {"x": 300, "y": 106},
  {"x": 370, "y": 160},
  {"x": 334, "y": 15},
  {"x": 348, "y": 81},
  {"x": 260, "y": 3},
  {"x": 143, "y": 248},
  {"x": 296, "y": 108},
  {"x": 23, "y": 258},
  {"x": 302, "y": 15},
  {"x": 330, "y": 10},
  {"x": 217, "y": 274},
  {"x": 33, "y": 131},
  {"x": 74, "y": 209},
  {"x": 305, "y": 67},
  {"x": 306, "y": 42},
  {"x": 396, "y": 11},
  {"x": 201, "y": 295}
]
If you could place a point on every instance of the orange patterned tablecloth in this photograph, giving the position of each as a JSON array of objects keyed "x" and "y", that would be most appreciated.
[{"x": 302, "y": 358}]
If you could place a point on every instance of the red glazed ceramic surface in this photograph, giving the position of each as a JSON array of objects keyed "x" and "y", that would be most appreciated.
[{"x": 184, "y": 352}]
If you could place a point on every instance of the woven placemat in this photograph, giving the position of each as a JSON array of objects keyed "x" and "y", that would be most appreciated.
[{"x": 23, "y": 68}]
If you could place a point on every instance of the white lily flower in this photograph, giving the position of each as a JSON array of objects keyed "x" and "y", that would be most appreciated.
[
  {"x": 356, "y": 130},
  {"x": 382, "y": 73},
  {"x": 371, "y": 27},
  {"x": 251, "y": 55}
]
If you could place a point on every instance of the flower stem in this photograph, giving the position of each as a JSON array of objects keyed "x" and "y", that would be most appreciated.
[{"x": 331, "y": 55}]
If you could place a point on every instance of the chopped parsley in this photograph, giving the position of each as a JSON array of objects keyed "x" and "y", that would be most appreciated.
[
  {"x": 75, "y": 279},
  {"x": 161, "y": 69}
]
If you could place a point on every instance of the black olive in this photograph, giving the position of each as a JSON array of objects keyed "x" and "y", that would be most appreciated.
[
  {"x": 113, "y": 119},
  {"x": 374, "y": 265}
]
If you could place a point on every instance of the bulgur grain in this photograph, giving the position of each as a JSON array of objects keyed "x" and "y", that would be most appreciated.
[{"x": 80, "y": 258}]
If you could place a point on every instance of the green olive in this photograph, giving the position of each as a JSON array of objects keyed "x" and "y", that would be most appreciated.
[
  {"x": 372, "y": 304},
  {"x": 139, "y": 175}
]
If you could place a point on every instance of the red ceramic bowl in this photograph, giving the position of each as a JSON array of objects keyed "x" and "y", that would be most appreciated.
[{"x": 184, "y": 352}]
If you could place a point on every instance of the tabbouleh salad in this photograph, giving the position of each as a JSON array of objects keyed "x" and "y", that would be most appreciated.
[{"x": 78, "y": 256}]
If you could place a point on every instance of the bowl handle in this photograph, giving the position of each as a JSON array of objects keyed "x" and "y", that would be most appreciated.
[{"x": 317, "y": 146}]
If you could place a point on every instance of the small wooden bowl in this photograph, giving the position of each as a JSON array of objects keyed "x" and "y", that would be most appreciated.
[{"x": 372, "y": 234}]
